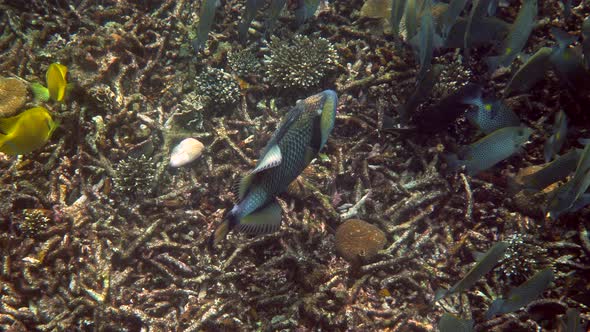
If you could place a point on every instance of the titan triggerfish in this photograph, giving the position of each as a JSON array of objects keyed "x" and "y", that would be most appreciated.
[{"x": 294, "y": 144}]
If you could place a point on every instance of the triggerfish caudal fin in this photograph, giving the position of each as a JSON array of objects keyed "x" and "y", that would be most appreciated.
[{"x": 263, "y": 221}]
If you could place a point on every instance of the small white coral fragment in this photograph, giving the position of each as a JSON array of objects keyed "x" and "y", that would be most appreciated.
[{"x": 185, "y": 152}]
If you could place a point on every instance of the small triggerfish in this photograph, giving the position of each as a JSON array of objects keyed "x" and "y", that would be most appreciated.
[
  {"x": 274, "y": 11},
  {"x": 305, "y": 10},
  {"x": 517, "y": 37},
  {"x": 556, "y": 170},
  {"x": 568, "y": 62},
  {"x": 451, "y": 323},
  {"x": 564, "y": 197},
  {"x": 478, "y": 12},
  {"x": 484, "y": 265},
  {"x": 294, "y": 144},
  {"x": 450, "y": 16},
  {"x": 531, "y": 72},
  {"x": 491, "y": 114},
  {"x": 555, "y": 141},
  {"x": 522, "y": 295},
  {"x": 397, "y": 13},
  {"x": 57, "y": 85},
  {"x": 26, "y": 131},
  {"x": 252, "y": 6},
  {"x": 586, "y": 41},
  {"x": 426, "y": 41},
  {"x": 206, "y": 16},
  {"x": 572, "y": 322},
  {"x": 490, "y": 150},
  {"x": 439, "y": 116}
]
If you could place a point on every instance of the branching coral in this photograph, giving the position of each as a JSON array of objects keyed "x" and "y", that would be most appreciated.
[{"x": 301, "y": 62}]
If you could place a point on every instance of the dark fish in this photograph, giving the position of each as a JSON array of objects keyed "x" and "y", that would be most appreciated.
[
  {"x": 397, "y": 12},
  {"x": 517, "y": 37},
  {"x": 206, "y": 15},
  {"x": 451, "y": 323},
  {"x": 522, "y": 295},
  {"x": 586, "y": 41},
  {"x": 305, "y": 10},
  {"x": 478, "y": 12},
  {"x": 451, "y": 15},
  {"x": 295, "y": 143},
  {"x": 564, "y": 197},
  {"x": 426, "y": 41},
  {"x": 567, "y": 8},
  {"x": 493, "y": 7},
  {"x": 274, "y": 11},
  {"x": 487, "y": 30},
  {"x": 489, "y": 150},
  {"x": 531, "y": 72},
  {"x": 491, "y": 114},
  {"x": 485, "y": 264},
  {"x": 555, "y": 141},
  {"x": 423, "y": 90},
  {"x": 573, "y": 322},
  {"x": 411, "y": 19},
  {"x": 252, "y": 6},
  {"x": 441, "y": 115},
  {"x": 556, "y": 170},
  {"x": 568, "y": 62}
]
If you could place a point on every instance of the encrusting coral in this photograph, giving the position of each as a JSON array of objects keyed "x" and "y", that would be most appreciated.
[
  {"x": 13, "y": 95},
  {"x": 358, "y": 241}
]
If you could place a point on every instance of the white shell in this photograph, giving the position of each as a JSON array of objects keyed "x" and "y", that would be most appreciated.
[{"x": 185, "y": 152}]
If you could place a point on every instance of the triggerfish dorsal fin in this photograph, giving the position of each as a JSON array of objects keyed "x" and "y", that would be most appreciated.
[
  {"x": 244, "y": 184},
  {"x": 264, "y": 220},
  {"x": 270, "y": 159}
]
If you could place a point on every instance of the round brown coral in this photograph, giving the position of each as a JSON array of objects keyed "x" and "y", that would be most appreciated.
[
  {"x": 13, "y": 95},
  {"x": 358, "y": 241}
]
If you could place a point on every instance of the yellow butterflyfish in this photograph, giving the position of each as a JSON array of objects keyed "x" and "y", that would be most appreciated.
[
  {"x": 56, "y": 81},
  {"x": 26, "y": 131},
  {"x": 57, "y": 85}
]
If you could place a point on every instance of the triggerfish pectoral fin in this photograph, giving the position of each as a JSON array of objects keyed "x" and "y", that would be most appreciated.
[
  {"x": 265, "y": 220},
  {"x": 271, "y": 159}
]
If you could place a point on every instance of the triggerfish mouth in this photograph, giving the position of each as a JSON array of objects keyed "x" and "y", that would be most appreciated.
[{"x": 295, "y": 143}]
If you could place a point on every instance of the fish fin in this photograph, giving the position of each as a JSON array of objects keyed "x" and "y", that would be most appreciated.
[
  {"x": 472, "y": 95},
  {"x": 478, "y": 255},
  {"x": 264, "y": 220},
  {"x": 328, "y": 116},
  {"x": 7, "y": 124},
  {"x": 440, "y": 294},
  {"x": 453, "y": 161},
  {"x": 272, "y": 158},
  {"x": 495, "y": 308},
  {"x": 310, "y": 154},
  {"x": 221, "y": 231},
  {"x": 562, "y": 38},
  {"x": 494, "y": 62},
  {"x": 40, "y": 92},
  {"x": 244, "y": 184}
]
